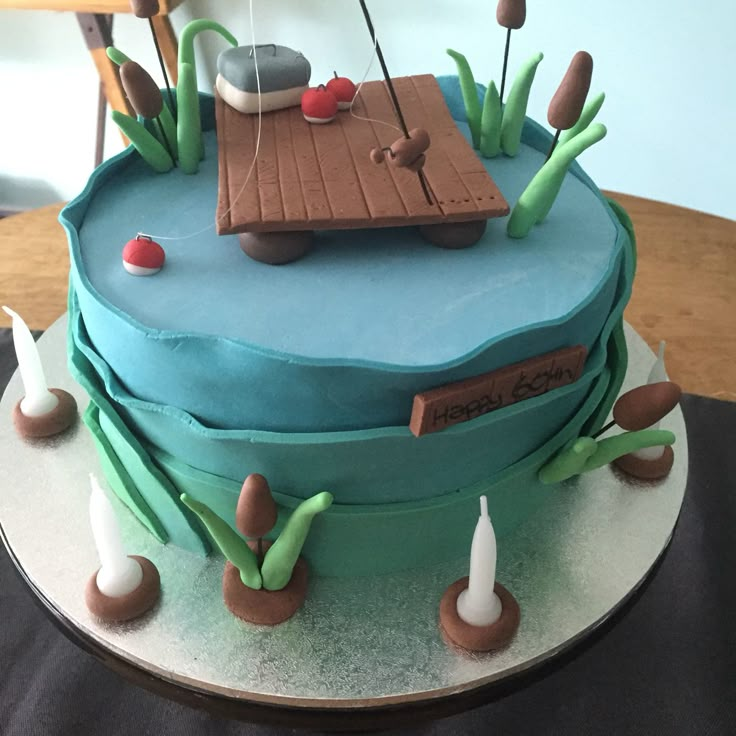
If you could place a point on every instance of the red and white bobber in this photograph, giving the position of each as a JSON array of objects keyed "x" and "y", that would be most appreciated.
[
  {"x": 344, "y": 91},
  {"x": 319, "y": 105},
  {"x": 142, "y": 256}
]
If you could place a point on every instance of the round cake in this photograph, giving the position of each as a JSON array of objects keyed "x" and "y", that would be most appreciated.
[{"x": 220, "y": 366}]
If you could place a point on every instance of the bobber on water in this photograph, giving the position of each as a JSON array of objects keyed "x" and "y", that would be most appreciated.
[
  {"x": 476, "y": 612},
  {"x": 142, "y": 256},
  {"x": 42, "y": 412}
]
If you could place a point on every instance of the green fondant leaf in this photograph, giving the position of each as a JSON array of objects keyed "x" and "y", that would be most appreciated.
[
  {"x": 189, "y": 125},
  {"x": 613, "y": 447},
  {"x": 118, "y": 477},
  {"x": 514, "y": 111},
  {"x": 167, "y": 121},
  {"x": 590, "y": 110},
  {"x": 116, "y": 56},
  {"x": 231, "y": 544},
  {"x": 537, "y": 199},
  {"x": 188, "y": 34},
  {"x": 569, "y": 461},
  {"x": 470, "y": 95},
  {"x": 153, "y": 153},
  {"x": 281, "y": 557},
  {"x": 490, "y": 124}
]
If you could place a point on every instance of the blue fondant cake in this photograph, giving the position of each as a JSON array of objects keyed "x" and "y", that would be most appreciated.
[{"x": 220, "y": 366}]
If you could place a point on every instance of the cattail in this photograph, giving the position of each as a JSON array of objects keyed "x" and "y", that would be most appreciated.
[
  {"x": 569, "y": 100},
  {"x": 144, "y": 8},
  {"x": 511, "y": 14},
  {"x": 256, "y": 512},
  {"x": 142, "y": 91},
  {"x": 644, "y": 406}
]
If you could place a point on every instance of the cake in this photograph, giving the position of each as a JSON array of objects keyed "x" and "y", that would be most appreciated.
[{"x": 320, "y": 375}]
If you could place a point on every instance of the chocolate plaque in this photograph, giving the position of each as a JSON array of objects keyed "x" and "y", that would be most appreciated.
[{"x": 464, "y": 400}]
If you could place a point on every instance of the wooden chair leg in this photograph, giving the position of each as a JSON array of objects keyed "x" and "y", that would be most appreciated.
[{"x": 97, "y": 31}]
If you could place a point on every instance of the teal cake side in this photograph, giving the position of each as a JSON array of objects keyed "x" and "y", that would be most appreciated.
[{"x": 400, "y": 501}]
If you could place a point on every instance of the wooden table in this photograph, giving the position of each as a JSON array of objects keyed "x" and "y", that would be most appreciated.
[
  {"x": 684, "y": 290},
  {"x": 95, "y": 19}
]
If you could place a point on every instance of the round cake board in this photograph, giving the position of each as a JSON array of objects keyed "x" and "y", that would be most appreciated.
[{"x": 361, "y": 645}]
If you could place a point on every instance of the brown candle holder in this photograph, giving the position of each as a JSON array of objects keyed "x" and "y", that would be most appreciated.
[
  {"x": 478, "y": 638},
  {"x": 131, "y": 605},
  {"x": 56, "y": 421}
]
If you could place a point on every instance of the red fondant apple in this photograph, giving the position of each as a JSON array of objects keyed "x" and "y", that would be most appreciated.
[
  {"x": 142, "y": 256},
  {"x": 344, "y": 91},
  {"x": 319, "y": 105}
]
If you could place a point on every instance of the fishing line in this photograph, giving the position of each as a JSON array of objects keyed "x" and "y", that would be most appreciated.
[
  {"x": 357, "y": 92},
  {"x": 255, "y": 154}
]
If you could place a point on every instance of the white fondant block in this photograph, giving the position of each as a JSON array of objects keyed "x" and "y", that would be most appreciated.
[{"x": 247, "y": 102}]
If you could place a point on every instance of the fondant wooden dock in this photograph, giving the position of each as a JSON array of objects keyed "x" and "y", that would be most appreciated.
[{"x": 320, "y": 177}]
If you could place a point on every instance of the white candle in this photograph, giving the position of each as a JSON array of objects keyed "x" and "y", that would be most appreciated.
[
  {"x": 656, "y": 375},
  {"x": 118, "y": 574},
  {"x": 478, "y": 605},
  {"x": 38, "y": 400}
]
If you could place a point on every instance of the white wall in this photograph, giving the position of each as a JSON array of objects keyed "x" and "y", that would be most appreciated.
[{"x": 666, "y": 66}]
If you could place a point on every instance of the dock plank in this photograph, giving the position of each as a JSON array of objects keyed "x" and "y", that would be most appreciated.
[
  {"x": 466, "y": 162},
  {"x": 343, "y": 186},
  {"x": 453, "y": 196},
  {"x": 376, "y": 105},
  {"x": 292, "y": 195},
  {"x": 310, "y": 177}
]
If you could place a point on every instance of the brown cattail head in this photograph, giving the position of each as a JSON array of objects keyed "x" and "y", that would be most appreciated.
[
  {"x": 256, "y": 513},
  {"x": 645, "y": 405},
  {"x": 144, "y": 8},
  {"x": 141, "y": 90},
  {"x": 511, "y": 13},
  {"x": 567, "y": 104}
]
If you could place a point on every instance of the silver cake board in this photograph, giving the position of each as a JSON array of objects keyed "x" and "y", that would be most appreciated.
[{"x": 360, "y": 645}]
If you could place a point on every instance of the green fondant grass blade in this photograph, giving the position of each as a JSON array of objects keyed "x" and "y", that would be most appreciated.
[
  {"x": 490, "y": 123},
  {"x": 590, "y": 110},
  {"x": 189, "y": 125},
  {"x": 537, "y": 199},
  {"x": 188, "y": 34},
  {"x": 470, "y": 95},
  {"x": 616, "y": 362},
  {"x": 167, "y": 121},
  {"x": 119, "y": 479},
  {"x": 153, "y": 153},
  {"x": 613, "y": 447},
  {"x": 116, "y": 56},
  {"x": 514, "y": 111},
  {"x": 281, "y": 557},
  {"x": 231, "y": 544},
  {"x": 569, "y": 461}
]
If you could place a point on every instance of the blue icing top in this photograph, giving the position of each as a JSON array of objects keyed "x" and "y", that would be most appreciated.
[{"x": 407, "y": 316}]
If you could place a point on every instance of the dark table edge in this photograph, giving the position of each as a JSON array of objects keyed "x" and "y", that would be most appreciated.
[{"x": 366, "y": 718}]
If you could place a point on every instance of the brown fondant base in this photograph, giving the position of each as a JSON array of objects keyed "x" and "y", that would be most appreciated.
[
  {"x": 646, "y": 469},
  {"x": 454, "y": 235},
  {"x": 277, "y": 248},
  {"x": 265, "y": 607},
  {"x": 478, "y": 638},
  {"x": 54, "y": 422},
  {"x": 128, "y": 606}
]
